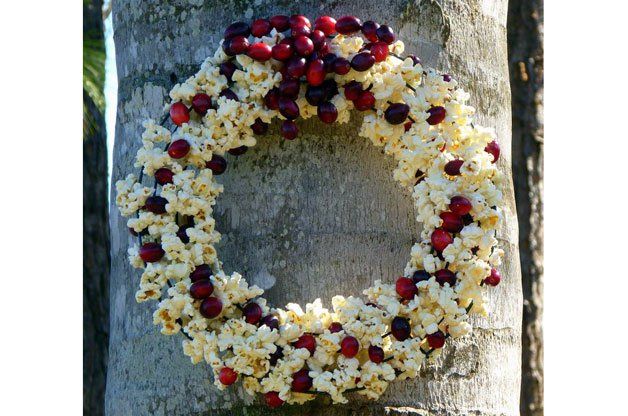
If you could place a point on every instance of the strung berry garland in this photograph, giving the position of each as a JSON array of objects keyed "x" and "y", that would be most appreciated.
[{"x": 285, "y": 68}]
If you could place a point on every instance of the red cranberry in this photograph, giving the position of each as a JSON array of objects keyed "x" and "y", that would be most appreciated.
[
  {"x": 437, "y": 115},
  {"x": 452, "y": 167},
  {"x": 328, "y": 60},
  {"x": 331, "y": 89},
  {"x": 342, "y": 66},
  {"x": 280, "y": 22},
  {"x": 297, "y": 20},
  {"x": 237, "y": 29},
  {"x": 201, "y": 272},
  {"x": 201, "y": 289},
  {"x": 259, "y": 127},
  {"x": 327, "y": 112},
  {"x": 385, "y": 34},
  {"x": 295, "y": 67},
  {"x": 376, "y": 354},
  {"x": 303, "y": 45},
  {"x": 365, "y": 101},
  {"x": 282, "y": 51},
  {"x": 335, "y": 327},
  {"x": 272, "y": 399},
  {"x": 300, "y": 31},
  {"x": 318, "y": 38},
  {"x": 306, "y": 341},
  {"x": 407, "y": 125},
  {"x": 406, "y": 288},
  {"x": 445, "y": 276},
  {"x": 460, "y": 205},
  {"x": 353, "y": 90},
  {"x": 151, "y": 252},
  {"x": 211, "y": 307},
  {"x": 275, "y": 356},
  {"x": 289, "y": 88},
  {"x": 201, "y": 103},
  {"x": 349, "y": 346},
  {"x": 400, "y": 328},
  {"x": 218, "y": 164},
  {"x": 493, "y": 148},
  {"x": 467, "y": 219},
  {"x": 227, "y": 69},
  {"x": 301, "y": 381},
  {"x": 315, "y": 95},
  {"x": 446, "y": 77},
  {"x": 288, "y": 108},
  {"x": 252, "y": 313},
  {"x": 441, "y": 239},
  {"x": 348, "y": 24},
  {"x": 260, "y": 52},
  {"x": 362, "y": 61},
  {"x": 271, "y": 100},
  {"x": 182, "y": 234},
  {"x": 451, "y": 222},
  {"x": 494, "y": 278},
  {"x": 420, "y": 276},
  {"x": 163, "y": 176},
  {"x": 396, "y": 113},
  {"x": 369, "y": 30},
  {"x": 289, "y": 130},
  {"x": 179, "y": 113},
  {"x": 436, "y": 340},
  {"x": 178, "y": 149},
  {"x": 379, "y": 50},
  {"x": 156, "y": 204},
  {"x": 229, "y": 94},
  {"x": 261, "y": 27},
  {"x": 325, "y": 24},
  {"x": 270, "y": 321},
  {"x": 227, "y": 376},
  {"x": 238, "y": 151},
  {"x": 238, "y": 45}
]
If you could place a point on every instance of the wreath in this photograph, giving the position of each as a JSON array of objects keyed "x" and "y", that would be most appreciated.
[{"x": 285, "y": 68}]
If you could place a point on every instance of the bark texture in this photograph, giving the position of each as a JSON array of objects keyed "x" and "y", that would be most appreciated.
[
  {"x": 525, "y": 44},
  {"x": 315, "y": 217}
]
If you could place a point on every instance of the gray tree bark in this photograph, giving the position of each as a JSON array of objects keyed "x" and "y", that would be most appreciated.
[{"x": 315, "y": 217}]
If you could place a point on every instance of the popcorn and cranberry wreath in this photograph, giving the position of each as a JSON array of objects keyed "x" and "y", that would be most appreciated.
[{"x": 283, "y": 67}]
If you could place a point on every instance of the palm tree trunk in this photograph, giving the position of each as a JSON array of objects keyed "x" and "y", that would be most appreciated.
[{"x": 311, "y": 218}]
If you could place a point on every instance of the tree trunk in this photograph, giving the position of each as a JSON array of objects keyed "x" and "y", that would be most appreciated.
[
  {"x": 315, "y": 217},
  {"x": 525, "y": 44}
]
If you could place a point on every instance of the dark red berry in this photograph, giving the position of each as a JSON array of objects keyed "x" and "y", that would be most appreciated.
[
  {"x": 260, "y": 52},
  {"x": 452, "y": 167},
  {"x": 261, "y": 27},
  {"x": 229, "y": 94},
  {"x": 252, "y": 313},
  {"x": 385, "y": 34},
  {"x": 289, "y": 88},
  {"x": 342, "y": 66},
  {"x": 325, "y": 24},
  {"x": 178, "y": 149},
  {"x": 300, "y": 31},
  {"x": 353, "y": 90},
  {"x": 420, "y": 276},
  {"x": 446, "y": 77},
  {"x": 437, "y": 115},
  {"x": 201, "y": 272},
  {"x": 460, "y": 205},
  {"x": 400, "y": 328},
  {"x": 441, "y": 239},
  {"x": 376, "y": 354},
  {"x": 289, "y": 130},
  {"x": 179, "y": 113},
  {"x": 445, "y": 276},
  {"x": 362, "y": 61},
  {"x": 270, "y": 321},
  {"x": 451, "y": 222},
  {"x": 379, "y": 50},
  {"x": 315, "y": 95},
  {"x": 397, "y": 113},
  {"x": 288, "y": 108},
  {"x": 369, "y": 30},
  {"x": 238, "y": 151},
  {"x": 182, "y": 234},
  {"x": 282, "y": 51},
  {"x": 259, "y": 127},
  {"x": 201, "y": 289},
  {"x": 328, "y": 60},
  {"x": 327, "y": 112},
  {"x": 156, "y": 204},
  {"x": 273, "y": 400},
  {"x": 296, "y": 66},
  {"x": 217, "y": 164},
  {"x": 301, "y": 381},
  {"x": 227, "y": 69},
  {"x": 303, "y": 45},
  {"x": 151, "y": 252},
  {"x": 237, "y": 29},
  {"x": 436, "y": 340},
  {"x": 318, "y": 38},
  {"x": 349, "y": 346},
  {"x": 493, "y": 148},
  {"x": 275, "y": 356},
  {"x": 201, "y": 103},
  {"x": 494, "y": 278},
  {"x": 271, "y": 100},
  {"x": 238, "y": 45},
  {"x": 406, "y": 289},
  {"x": 227, "y": 376},
  {"x": 280, "y": 22},
  {"x": 306, "y": 341},
  {"x": 211, "y": 307},
  {"x": 335, "y": 327},
  {"x": 365, "y": 101},
  {"x": 331, "y": 89},
  {"x": 407, "y": 125},
  {"x": 348, "y": 24},
  {"x": 163, "y": 176},
  {"x": 298, "y": 20}
]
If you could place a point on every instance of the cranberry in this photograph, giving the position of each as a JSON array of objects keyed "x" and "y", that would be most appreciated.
[
  {"x": 300, "y": 31},
  {"x": 288, "y": 108},
  {"x": 156, "y": 204},
  {"x": 301, "y": 381},
  {"x": 238, "y": 45},
  {"x": 362, "y": 61},
  {"x": 408, "y": 125},
  {"x": 151, "y": 252},
  {"x": 327, "y": 112},
  {"x": 451, "y": 222},
  {"x": 445, "y": 276},
  {"x": 436, "y": 340},
  {"x": 379, "y": 50},
  {"x": 376, "y": 354},
  {"x": 275, "y": 356},
  {"x": 306, "y": 341},
  {"x": 446, "y": 77},
  {"x": 218, "y": 164},
  {"x": 348, "y": 24},
  {"x": 282, "y": 51},
  {"x": 227, "y": 376},
  {"x": 452, "y": 167},
  {"x": 437, "y": 115},
  {"x": 237, "y": 29},
  {"x": 289, "y": 130},
  {"x": 270, "y": 321},
  {"x": 297, "y": 20},
  {"x": 369, "y": 30},
  {"x": 271, "y": 100},
  {"x": 182, "y": 234},
  {"x": 335, "y": 327},
  {"x": 460, "y": 205},
  {"x": 325, "y": 48},
  {"x": 296, "y": 66},
  {"x": 227, "y": 69},
  {"x": 261, "y": 27},
  {"x": 280, "y": 22},
  {"x": 201, "y": 289},
  {"x": 259, "y": 127},
  {"x": 211, "y": 307},
  {"x": 397, "y": 113},
  {"x": 201, "y": 103},
  {"x": 400, "y": 328},
  {"x": 406, "y": 288},
  {"x": 316, "y": 72},
  {"x": 349, "y": 346},
  {"x": 238, "y": 151},
  {"x": 163, "y": 176},
  {"x": 328, "y": 60},
  {"x": 365, "y": 101},
  {"x": 303, "y": 45},
  {"x": 494, "y": 278},
  {"x": 179, "y": 113},
  {"x": 353, "y": 90},
  {"x": 260, "y": 51},
  {"x": 325, "y": 24},
  {"x": 441, "y": 239},
  {"x": 252, "y": 313},
  {"x": 467, "y": 219},
  {"x": 315, "y": 95},
  {"x": 201, "y": 272},
  {"x": 272, "y": 399},
  {"x": 342, "y": 66},
  {"x": 229, "y": 94},
  {"x": 318, "y": 38},
  {"x": 330, "y": 88},
  {"x": 420, "y": 276},
  {"x": 178, "y": 149},
  {"x": 493, "y": 148},
  {"x": 385, "y": 34}
]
